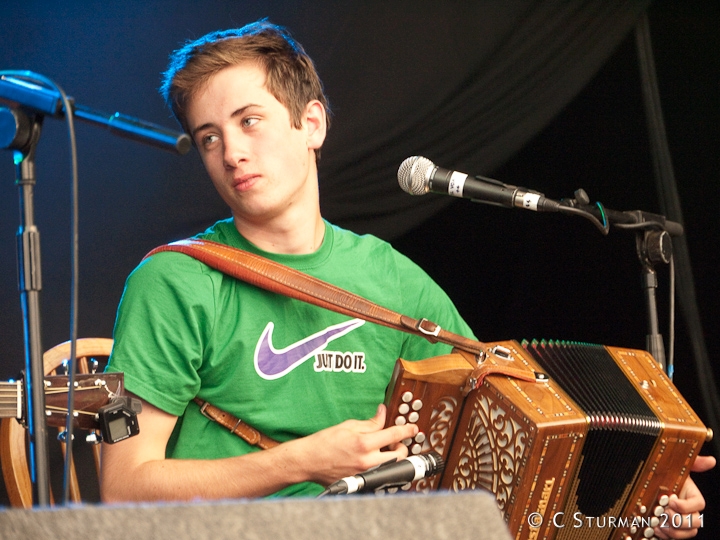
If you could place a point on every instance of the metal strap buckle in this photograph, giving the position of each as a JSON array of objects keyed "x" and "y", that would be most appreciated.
[
  {"x": 203, "y": 412},
  {"x": 435, "y": 332}
]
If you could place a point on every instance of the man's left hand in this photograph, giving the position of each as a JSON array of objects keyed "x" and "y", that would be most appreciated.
[{"x": 688, "y": 505}]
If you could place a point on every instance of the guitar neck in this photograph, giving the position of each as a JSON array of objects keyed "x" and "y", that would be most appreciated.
[
  {"x": 92, "y": 391},
  {"x": 11, "y": 399}
]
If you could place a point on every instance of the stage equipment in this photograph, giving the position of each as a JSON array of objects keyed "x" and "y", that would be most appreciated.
[
  {"x": 456, "y": 516},
  {"x": 25, "y": 99}
]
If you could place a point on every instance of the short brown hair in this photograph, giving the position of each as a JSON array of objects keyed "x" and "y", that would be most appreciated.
[{"x": 290, "y": 73}]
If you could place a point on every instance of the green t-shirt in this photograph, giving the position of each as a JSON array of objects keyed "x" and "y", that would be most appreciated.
[{"x": 285, "y": 367}]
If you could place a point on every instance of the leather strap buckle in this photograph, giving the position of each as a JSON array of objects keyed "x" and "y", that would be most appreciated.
[
  {"x": 203, "y": 410},
  {"x": 435, "y": 331}
]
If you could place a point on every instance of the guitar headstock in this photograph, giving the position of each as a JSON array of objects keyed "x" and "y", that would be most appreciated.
[{"x": 92, "y": 391}]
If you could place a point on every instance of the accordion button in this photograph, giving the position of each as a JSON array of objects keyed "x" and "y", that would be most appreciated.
[
  {"x": 654, "y": 521},
  {"x": 417, "y": 405},
  {"x": 416, "y": 449},
  {"x": 404, "y": 408},
  {"x": 400, "y": 421},
  {"x": 407, "y": 442},
  {"x": 664, "y": 500},
  {"x": 413, "y": 417},
  {"x": 420, "y": 437},
  {"x": 407, "y": 397},
  {"x": 648, "y": 532},
  {"x": 658, "y": 511}
]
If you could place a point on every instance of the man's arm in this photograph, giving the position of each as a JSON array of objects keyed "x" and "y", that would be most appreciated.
[{"x": 136, "y": 469}]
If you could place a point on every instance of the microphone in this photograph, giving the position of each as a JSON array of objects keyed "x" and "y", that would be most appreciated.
[
  {"x": 390, "y": 474},
  {"x": 418, "y": 175}
]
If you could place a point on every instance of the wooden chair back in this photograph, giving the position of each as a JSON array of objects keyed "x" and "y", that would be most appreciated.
[{"x": 13, "y": 436}]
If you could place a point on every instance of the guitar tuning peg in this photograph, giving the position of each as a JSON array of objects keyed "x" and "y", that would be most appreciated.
[
  {"x": 94, "y": 365},
  {"x": 94, "y": 438}
]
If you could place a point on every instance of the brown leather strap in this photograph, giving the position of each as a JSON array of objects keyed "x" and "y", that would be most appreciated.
[
  {"x": 484, "y": 369},
  {"x": 281, "y": 279},
  {"x": 235, "y": 425}
]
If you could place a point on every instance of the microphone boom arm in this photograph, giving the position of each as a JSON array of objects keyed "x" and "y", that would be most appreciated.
[{"x": 20, "y": 88}]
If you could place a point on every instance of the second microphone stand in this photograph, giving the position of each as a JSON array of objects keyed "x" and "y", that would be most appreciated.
[{"x": 653, "y": 245}]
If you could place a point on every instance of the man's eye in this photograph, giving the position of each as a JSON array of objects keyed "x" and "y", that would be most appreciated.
[
  {"x": 247, "y": 122},
  {"x": 209, "y": 139}
]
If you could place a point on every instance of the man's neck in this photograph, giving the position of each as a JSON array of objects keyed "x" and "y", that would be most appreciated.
[{"x": 290, "y": 236}]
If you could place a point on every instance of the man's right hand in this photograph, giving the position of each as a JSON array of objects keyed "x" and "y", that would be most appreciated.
[
  {"x": 353, "y": 447},
  {"x": 136, "y": 469}
]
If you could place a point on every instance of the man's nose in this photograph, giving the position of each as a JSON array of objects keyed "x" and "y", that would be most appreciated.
[{"x": 234, "y": 151}]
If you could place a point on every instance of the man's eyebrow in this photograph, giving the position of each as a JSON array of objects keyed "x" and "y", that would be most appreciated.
[
  {"x": 200, "y": 128},
  {"x": 235, "y": 113}
]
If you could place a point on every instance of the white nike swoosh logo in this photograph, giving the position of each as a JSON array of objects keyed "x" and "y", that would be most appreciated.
[{"x": 271, "y": 363}]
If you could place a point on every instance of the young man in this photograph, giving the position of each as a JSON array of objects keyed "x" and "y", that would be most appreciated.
[
  {"x": 255, "y": 108},
  {"x": 254, "y": 105}
]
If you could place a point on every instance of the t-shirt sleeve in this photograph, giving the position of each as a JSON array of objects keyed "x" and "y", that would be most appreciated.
[
  {"x": 423, "y": 298},
  {"x": 164, "y": 316}
]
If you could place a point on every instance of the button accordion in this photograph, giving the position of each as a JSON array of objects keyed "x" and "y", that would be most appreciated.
[{"x": 587, "y": 442}]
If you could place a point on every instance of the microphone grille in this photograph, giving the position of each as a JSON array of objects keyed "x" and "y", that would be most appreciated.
[
  {"x": 438, "y": 462},
  {"x": 414, "y": 175}
]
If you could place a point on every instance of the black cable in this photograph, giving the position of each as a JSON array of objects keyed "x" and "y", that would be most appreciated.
[
  {"x": 671, "y": 323},
  {"x": 641, "y": 225},
  {"x": 74, "y": 291},
  {"x": 603, "y": 226}
]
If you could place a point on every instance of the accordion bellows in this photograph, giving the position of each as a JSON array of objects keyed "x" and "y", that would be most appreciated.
[{"x": 591, "y": 450}]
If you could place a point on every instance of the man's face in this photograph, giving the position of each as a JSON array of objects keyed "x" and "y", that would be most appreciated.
[{"x": 263, "y": 168}]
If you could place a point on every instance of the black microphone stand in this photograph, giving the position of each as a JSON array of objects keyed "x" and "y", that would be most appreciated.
[
  {"x": 21, "y": 132},
  {"x": 26, "y": 102},
  {"x": 652, "y": 244}
]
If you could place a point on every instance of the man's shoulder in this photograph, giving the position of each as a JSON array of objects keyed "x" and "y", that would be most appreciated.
[
  {"x": 170, "y": 266},
  {"x": 222, "y": 231},
  {"x": 383, "y": 253},
  {"x": 377, "y": 260},
  {"x": 346, "y": 239}
]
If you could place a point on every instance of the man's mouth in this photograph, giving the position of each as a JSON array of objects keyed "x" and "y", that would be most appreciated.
[{"x": 245, "y": 182}]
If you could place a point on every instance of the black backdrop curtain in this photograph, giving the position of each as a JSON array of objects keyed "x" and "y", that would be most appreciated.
[
  {"x": 466, "y": 85},
  {"x": 544, "y": 94}
]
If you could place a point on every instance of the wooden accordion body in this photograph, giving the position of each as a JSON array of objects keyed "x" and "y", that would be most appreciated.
[{"x": 592, "y": 452}]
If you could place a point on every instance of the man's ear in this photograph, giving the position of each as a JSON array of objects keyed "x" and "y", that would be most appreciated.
[{"x": 315, "y": 124}]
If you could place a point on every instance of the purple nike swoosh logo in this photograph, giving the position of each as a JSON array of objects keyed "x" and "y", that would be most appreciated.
[{"x": 271, "y": 363}]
